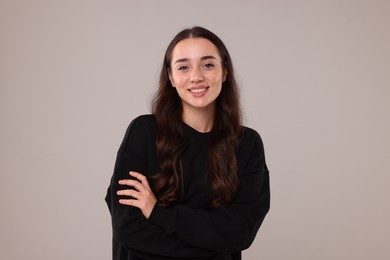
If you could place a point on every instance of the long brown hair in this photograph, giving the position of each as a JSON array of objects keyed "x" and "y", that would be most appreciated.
[{"x": 171, "y": 140}]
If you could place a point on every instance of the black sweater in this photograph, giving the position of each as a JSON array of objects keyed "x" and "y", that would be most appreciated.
[{"x": 190, "y": 229}]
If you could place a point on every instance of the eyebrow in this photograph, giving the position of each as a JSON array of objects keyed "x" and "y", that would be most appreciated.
[{"x": 202, "y": 58}]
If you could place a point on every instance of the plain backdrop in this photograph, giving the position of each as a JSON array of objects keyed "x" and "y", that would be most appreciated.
[{"x": 315, "y": 83}]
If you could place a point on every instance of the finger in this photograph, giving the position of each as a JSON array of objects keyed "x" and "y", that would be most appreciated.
[
  {"x": 129, "y": 202},
  {"x": 133, "y": 183},
  {"x": 142, "y": 178},
  {"x": 132, "y": 193}
]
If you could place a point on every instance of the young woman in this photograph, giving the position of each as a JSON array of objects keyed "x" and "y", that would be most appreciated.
[{"x": 189, "y": 182}]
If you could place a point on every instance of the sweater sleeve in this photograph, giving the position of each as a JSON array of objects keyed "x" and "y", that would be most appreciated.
[
  {"x": 130, "y": 228},
  {"x": 231, "y": 228}
]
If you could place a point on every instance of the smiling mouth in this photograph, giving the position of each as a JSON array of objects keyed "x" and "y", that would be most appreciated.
[{"x": 198, "y": 90}]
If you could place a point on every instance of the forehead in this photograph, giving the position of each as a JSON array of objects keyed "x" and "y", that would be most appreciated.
[{"x": 194, "y": 48}]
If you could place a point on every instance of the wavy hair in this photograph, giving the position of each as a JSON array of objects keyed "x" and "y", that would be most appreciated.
[{"x": 171, "y": 141}]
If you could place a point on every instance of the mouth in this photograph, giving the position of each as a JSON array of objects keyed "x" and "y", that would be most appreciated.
[{"x": 198, "y": 89}]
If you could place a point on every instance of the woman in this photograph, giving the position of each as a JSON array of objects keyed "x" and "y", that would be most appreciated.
[{"x": 189, "y": 182}]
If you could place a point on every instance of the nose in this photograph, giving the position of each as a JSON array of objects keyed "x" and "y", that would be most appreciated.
[{"x": 196, "y": 75}]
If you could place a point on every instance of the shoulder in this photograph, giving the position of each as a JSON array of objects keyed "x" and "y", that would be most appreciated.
[
  {"x": 141, "y": 124},
  {"x": 140, "y": 130},
  {"x": 147, "y": 120},
  {"x": 249, "y": 136}
]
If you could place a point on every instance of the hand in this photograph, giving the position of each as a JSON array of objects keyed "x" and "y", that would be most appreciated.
[{"x": 143, "y": 197}]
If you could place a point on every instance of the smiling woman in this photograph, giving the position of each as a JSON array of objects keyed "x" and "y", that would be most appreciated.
[
  {"x": 190, "y": 182},
  {"x": 197, "y": 74}
]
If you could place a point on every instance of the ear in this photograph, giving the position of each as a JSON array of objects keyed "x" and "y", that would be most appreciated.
[
  {"x": 170, "y": 77},
  {"x": 224, "y": 75}
]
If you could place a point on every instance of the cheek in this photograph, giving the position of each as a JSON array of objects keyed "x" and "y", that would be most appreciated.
[
  {"x": 218, "y": 80},
  {"x": 178, "y": 80},
  {"x": 216, "y": 77}
]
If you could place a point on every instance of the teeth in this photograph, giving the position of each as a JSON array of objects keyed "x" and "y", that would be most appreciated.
[{"x": 198, "y": 90}]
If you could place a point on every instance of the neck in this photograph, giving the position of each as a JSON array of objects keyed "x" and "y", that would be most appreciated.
[{"x": 201, "y": 120}]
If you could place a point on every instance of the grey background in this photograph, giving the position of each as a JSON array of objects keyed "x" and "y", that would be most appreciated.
[{"x": 315, "y": 83}]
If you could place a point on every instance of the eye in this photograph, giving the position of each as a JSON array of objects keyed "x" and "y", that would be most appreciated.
[
  {"x": 209, "y": 65},
  {"x": 183, "y": 68}
]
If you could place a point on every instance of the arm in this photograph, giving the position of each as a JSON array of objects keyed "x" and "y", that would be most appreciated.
[
  {"x": 130, "y": 227},
  {"x": 228, "y": 229}
]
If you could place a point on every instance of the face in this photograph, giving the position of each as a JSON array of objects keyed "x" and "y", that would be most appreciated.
[{"x": 197, "y": 73}]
